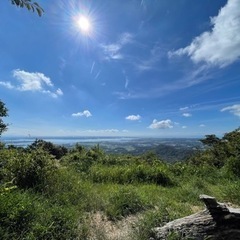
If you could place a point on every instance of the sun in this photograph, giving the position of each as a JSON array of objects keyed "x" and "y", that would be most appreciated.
[{"x": 84, "y": 24}]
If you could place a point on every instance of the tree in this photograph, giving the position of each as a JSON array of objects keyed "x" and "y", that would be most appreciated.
[
  {"x": 31, "y": 6},
  {"x": 3, "y": 113},
  {"x": 55, "y": 150},
  {"x": 210, "y": 140}
]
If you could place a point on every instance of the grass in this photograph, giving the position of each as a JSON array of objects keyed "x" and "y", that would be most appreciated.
[{"x": 91, "y": 195}]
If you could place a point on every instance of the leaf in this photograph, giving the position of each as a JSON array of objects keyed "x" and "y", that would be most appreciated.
[
  {"x": 29, "y": 7},
  {"x": 36, "y": 4},
  {"x": 17, "y": 2},
  {"x": 39, "y": 11}
]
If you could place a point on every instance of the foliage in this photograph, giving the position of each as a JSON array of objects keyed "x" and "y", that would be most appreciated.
[
  {"x": 81, "y": 162},
  {"x": 31, "y": 6},
  {"x": 3, "y": 113},
  {"x": 132, "y": 173},
  {"x": 82, "y": 159},
  {"x": 45, "y": 198},
  {"x": 233, "y": 166},
  {"x": 27, "y": 170},
  {"x": 55, "y": 150},
  {"x": 16, "y": 215},
  {"x": 219, "y": 149},
  {"x": 24, "y": 216},
  {"x": 210, "y": 140}
]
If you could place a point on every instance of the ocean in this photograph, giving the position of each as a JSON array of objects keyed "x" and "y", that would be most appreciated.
[{"x": 65, "y": 141}]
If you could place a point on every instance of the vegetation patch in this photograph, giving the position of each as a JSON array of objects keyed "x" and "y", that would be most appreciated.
[{"x": 49, "y": 193}]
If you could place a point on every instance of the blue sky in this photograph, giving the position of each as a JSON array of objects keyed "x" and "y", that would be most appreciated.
[{"x": 162, "y": 68}]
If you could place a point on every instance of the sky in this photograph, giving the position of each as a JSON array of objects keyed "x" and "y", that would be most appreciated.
[{"x": 161, "y": 68}]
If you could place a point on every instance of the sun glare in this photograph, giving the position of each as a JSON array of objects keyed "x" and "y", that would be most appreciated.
[{"x": 84, "y": 24}]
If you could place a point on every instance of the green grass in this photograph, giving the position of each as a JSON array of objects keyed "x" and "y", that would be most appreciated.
[
  {"x": 42, "y": 198},
  {"x": 131, "y": 173}
]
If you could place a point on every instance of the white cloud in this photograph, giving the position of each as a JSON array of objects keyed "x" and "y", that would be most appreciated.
[
  {"x": 183, "y": 108},
  {"x": 220, "y": 46},
  {"x": 126, "y": 83},
  {"x": 202, "y": 125},
  {"x": 7, "y": 85},
  {"x": 184, "y": 127},
  {"x": 112, "y": 50},
  {"x": 103, "y": 131},
  {"x": 152, "y": 61},
  {"x": 36, "y": 82},
  {"x": 31, "y": 81},
  {"x": 133, "y": 117},
  {"x": 97, "y": 75},
  {"x": 126, "y": 38},
  {"x": 59, "y": 92},
  {"x": 234, "y": 109},
  {"x": 85, "y": 113},
  {"x": 53, "y": 94},
  {"x": 161, "y": 124},
  {"x": 187, "y": 114}
]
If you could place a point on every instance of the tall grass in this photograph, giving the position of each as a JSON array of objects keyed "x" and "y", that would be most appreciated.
[
  {"x": 132, "y": 173},
  {"x": 45, "y": 198}
]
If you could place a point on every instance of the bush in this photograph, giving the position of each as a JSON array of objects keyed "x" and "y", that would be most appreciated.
[
  {"x": 233, "y": 166},
  {"x": 16, "y": 215},
  {"x": 27, "y": 170},
  {"x": 55, "y": 150},
  {"x": 79, "y": 162}
]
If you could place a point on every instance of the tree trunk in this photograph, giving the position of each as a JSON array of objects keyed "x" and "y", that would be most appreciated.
[{"x": 216, "y": 222}]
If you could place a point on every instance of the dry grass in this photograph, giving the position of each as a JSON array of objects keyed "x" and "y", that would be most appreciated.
[{"x": 103, "y": 229}]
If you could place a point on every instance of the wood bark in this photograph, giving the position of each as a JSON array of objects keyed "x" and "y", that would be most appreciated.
[{"x": 217, "y": 222}]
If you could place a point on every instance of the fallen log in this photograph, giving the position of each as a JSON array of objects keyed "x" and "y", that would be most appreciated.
[{"x": 216, "y": 222}]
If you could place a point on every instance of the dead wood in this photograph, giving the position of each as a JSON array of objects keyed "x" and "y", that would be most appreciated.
[{"x": 217, "y": 222}]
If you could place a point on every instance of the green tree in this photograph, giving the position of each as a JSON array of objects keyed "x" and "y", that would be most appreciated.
[
  {"x": 31, "y": 6},
  {"x": 3, "y": 113},
  {"x": 219, "y": 150},
  {"x": 55, "y": 150},
  {"x": 210, "y": 140}
]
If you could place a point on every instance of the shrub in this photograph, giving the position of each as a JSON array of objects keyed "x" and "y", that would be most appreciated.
[
  {"x": 233, "y": 166},
  {"x": 55, "y": 150},
  {"x": 16, "y": 214},
  {"x": 28, "y": 170},
  {"x": 79, "y": 162}
]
